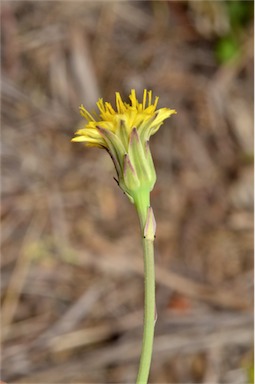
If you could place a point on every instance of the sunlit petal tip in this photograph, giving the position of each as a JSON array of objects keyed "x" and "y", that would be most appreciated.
[
  {"x": 84, "y": 113},
  {"x": 120, "y": 105},
  {"x": 82, "y": 110},
  {"x": 149, "y": 97},
  {"x": 78, "y": 139},
  {"x": 156, "y": 102},
  {"x": 133, "y": 98},
  {"x": 80, "y": 132},
  {"x": 144, "y": 98}
]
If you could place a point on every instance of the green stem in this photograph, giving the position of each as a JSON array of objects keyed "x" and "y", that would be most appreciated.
[{"x": 142, "y": 205}]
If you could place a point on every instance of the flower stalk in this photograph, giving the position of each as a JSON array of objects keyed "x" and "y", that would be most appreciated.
[
  {"x": 149, "y": 312},
  {"x": 125, "y": 134},
  {"x": 148, "y": 229}
]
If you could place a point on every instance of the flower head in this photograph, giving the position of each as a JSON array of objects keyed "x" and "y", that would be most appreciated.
[{"x": 125, "y": 133}]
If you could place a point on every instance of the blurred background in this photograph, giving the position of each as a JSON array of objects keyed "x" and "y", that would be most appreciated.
[{"x": 72, "y": 270}]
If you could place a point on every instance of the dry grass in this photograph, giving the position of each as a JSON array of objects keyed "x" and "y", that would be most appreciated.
[{"x": 72, "y": 273}]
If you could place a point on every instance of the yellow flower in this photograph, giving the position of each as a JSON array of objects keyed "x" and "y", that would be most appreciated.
[
  {"x": 143, "y": 116},
  {"x": 125, "y": 133}
]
